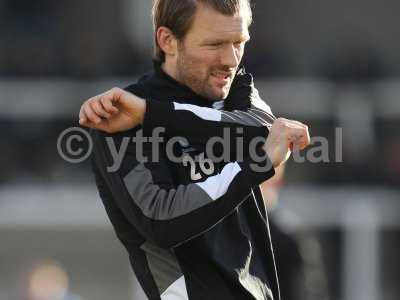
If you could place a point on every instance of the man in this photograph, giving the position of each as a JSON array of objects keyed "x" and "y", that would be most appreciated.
[{"x": 196, "y": 227}]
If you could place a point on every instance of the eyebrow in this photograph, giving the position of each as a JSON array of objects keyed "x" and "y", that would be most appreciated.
[{"x": 243, "y": 38}]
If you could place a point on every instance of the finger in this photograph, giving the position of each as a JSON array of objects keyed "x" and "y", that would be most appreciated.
[
  {"x": 295, "y": 132},
  {"x": 304, "y": 137},
  {"x": 108, "y": 105},
  {"x": 104, "y": 126},
  {"x": 82, "y": 116},
  {"x": 87, "y": 124},
  {"x": 296, "y": 146},
  {"x": 99, "y": 109},
  {"x": 90, "y": 114},
  {"x": 305, "y": 134},
  {"x": 298, "y": 139},
  {"x": 115, "y": 94},
  {"x": 302, "y": 142},
  {"x": 307, "y": 140},
  {"x": 83, "y": 122}
]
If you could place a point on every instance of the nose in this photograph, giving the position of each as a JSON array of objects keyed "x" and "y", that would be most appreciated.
[{"x": 230, "y": 56}]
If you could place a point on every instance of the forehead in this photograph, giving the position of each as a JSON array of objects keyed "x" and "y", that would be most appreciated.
[{"x": 211, "y": 24}]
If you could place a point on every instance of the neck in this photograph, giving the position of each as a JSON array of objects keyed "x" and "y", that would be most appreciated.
[{"x": 169, "y": 70}]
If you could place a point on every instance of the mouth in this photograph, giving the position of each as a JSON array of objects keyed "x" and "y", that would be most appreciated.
[{"x": 222, "y": 78}]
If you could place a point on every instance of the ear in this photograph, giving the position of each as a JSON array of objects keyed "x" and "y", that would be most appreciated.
[{"x": 167, "y": 41}]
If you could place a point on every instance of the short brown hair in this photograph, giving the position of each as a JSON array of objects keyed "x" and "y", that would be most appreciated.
[{"x": 178, "y": 15}]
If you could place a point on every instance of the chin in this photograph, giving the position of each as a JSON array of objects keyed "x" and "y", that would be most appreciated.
[
  {"x": 219, "y": 94},
  {"x": 223, "y": 94}
]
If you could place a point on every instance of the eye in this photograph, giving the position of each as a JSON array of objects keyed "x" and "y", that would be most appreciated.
[{"x": 215, "y": 44}]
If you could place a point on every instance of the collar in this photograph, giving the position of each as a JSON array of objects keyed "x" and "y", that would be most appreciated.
[
  {"x": 163, "y": 87},
  {"x": 241, "y": 89},
  {"x": 183, "y": 93}
]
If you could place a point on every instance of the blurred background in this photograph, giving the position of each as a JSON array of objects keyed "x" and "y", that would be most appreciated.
[{"x": 334, "y": 65}]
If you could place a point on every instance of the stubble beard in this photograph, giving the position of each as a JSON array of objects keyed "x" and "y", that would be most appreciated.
[{"x": 187, "y": 75}]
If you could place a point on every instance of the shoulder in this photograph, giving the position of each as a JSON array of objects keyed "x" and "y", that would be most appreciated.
[
  {"x": 141, "y": 87},
  {"x": 258, "y": 103},
  {"x": 244, "y": 95}
]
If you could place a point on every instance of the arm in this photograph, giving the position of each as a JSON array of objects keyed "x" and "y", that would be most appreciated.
[
  {"x": 122, "y": 110},
  {"x": 244, "y": 112},
  {"x": 118, "y": 110},
  {"x": 163, "y": 212},
  {"x": 200, "y": 124}
]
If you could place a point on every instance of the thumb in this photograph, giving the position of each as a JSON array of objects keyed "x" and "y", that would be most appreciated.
[{"x": 102, "y": 126}]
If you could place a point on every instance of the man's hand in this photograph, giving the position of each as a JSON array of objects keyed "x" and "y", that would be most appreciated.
[
  {"x": 113, "y": 111},
  {"x": 284, "y": 136}
]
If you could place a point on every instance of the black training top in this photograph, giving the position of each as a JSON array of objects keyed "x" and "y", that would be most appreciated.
[{"x": 195, "y": 228}]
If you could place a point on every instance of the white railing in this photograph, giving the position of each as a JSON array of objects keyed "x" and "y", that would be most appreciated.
[
  {"x": 360, "y": 212},
  {"x": 294, "y": 97}
]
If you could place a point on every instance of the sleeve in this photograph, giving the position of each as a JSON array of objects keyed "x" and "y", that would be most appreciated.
[
  {"x": 163, "y": 211},
  {"x": 200, "y": 124},
  {"x": 245, "y": 116}
]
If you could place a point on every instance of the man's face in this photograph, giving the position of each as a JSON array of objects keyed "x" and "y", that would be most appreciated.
[{"x": 211, "y": 51}]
